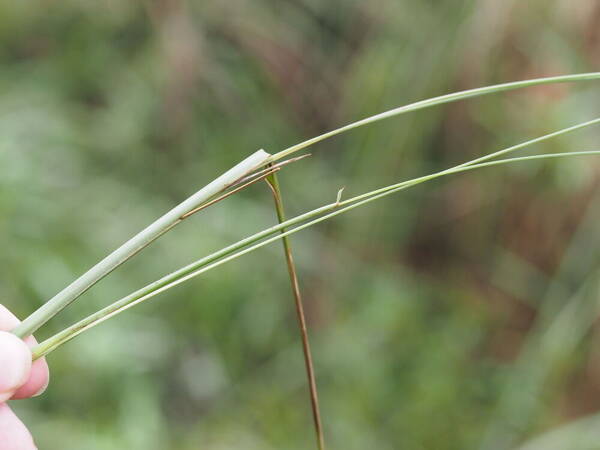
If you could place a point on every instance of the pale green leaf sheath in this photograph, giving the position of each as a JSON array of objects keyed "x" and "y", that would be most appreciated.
[{"x": 137, "y": 243}]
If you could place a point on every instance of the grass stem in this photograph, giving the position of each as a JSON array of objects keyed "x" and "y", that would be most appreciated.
[
  {"x": 137, "y": 243},
  {"x": 244, "y": 246},
  {"x": 435, "y": 101},
  {"x": 235, "y": 174},
  {"x": 273, "y": 183}
]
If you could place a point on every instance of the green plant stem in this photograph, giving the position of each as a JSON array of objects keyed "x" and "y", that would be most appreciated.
[
  {"x": 258, "y": 159},
  {"x": 448, "y": 98},
  {"x": 137, "y": 243},
  {"x": 273, "y": 183},
  {"x": 243, "y": 246}
]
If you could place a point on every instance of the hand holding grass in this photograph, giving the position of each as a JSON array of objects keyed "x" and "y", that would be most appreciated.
[{"x": 19, "y": 378}]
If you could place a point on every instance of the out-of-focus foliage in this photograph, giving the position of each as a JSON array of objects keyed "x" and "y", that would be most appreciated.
[{"x": 457, "y": 315}]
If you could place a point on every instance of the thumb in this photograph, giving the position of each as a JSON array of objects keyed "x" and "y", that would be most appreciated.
[{"x": 15, "y": 364}]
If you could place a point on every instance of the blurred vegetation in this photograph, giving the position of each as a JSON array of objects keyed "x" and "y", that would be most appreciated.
[{"x": 457, "y": 315}]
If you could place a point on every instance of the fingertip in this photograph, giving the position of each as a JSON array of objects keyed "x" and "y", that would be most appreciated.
[
  {"x": 36, "y": 384},
  {"x": 37, "y": 378},
  {"x": 15, "y": 361}
]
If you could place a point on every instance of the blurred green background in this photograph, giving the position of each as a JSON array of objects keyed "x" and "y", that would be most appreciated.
[{"x": 460, "y": 314}]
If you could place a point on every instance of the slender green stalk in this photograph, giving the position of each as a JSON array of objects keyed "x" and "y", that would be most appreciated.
[
  {"x": 242, "y": 247},
  {"x": 259, "y": 159},
  {"x": 448, "y": 98},
  {"x": 504, "y": 151},
  {"x": 273, "y": 183},
  {"x": 137, "y": 243}
]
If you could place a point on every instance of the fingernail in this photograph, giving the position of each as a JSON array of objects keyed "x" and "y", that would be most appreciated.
[{"x": 43, "y": 388}]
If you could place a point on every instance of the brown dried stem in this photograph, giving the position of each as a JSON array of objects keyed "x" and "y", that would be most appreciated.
[{"x": 310, "y": 372}]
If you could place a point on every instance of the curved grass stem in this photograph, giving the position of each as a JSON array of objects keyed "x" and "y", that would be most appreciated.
[
  {"x": 137, "y": 243},
  {"x": 435, "y": 101},
  {"x": 256, "y": 161},
  {"x": 252, "y": 243},
  {"x": 273, "y": 183}
]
